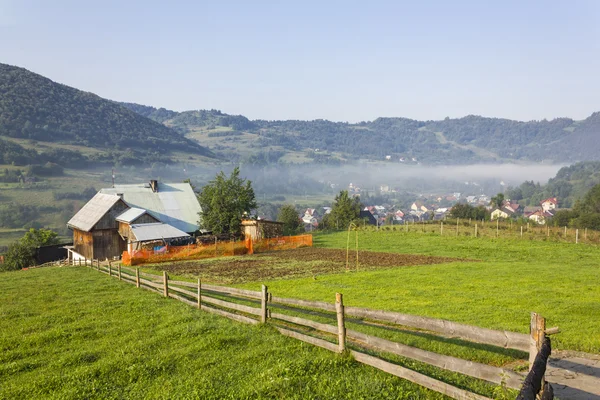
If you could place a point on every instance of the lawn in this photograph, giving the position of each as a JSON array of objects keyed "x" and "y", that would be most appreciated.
[
  {"x": 72, "y": 333},
  {"x": 509, "y": 279}
]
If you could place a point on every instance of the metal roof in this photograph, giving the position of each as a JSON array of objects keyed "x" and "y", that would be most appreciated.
[
  {"x": 155, "y": 231},
  {"x": 174, "y": 203},
  {"x": 131, "y": 214},
  {"x": 93, "y": 211}
]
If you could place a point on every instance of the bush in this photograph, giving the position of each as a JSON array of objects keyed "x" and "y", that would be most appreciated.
[{"x": 18, "y": 256}]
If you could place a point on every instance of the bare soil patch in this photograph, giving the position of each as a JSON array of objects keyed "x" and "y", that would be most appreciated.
[{"x": 296, "y": 263}]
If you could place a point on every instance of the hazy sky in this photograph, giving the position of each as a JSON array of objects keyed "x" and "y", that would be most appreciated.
[{"x": 337, "y": 60}]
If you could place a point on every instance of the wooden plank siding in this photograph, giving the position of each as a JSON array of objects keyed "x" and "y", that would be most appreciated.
[
  {"x": 107, "y": 244},
  {"x": 83, "y": 243}
]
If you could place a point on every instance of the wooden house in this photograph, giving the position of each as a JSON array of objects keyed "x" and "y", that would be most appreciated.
[
  {"x": 95, "y": 228},
  {"x": 124, "y": 217}
]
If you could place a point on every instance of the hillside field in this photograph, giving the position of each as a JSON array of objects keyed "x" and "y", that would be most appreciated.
[{"x": 73, "y": 333}]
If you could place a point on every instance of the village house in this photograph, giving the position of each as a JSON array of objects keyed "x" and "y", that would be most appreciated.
[
  {"x": 419, "y": 206},
  {"x": 540, "y": 216},
  {"x": 503, "y": 213},
  {"x": 129, "y": 217},
  {"x": 549, "y": 204}
]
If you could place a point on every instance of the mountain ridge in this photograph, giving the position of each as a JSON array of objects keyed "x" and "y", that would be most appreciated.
[
  {"x": 37, "y": 108},
  {"x": 452, "y": 140}
]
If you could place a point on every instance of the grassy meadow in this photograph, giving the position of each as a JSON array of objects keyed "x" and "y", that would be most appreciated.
[
  {"x": 73, "y": 333},
  {"x": 505, "y": 280}
]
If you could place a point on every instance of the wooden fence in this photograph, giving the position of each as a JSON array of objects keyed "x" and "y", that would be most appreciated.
[
  {"x": 256, "y": 307},
  {"x": 497, "y": 229}
]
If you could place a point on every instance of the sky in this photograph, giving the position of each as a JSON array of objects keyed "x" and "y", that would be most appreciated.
[{"x": 338, "y": 60}]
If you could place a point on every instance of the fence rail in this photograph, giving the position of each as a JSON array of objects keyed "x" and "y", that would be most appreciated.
[{"x": 336, "y": 337}]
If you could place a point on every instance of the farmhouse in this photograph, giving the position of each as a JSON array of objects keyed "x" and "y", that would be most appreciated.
[{"x": 127, "y": 217}]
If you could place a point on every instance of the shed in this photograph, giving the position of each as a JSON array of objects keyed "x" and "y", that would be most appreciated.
[{"x": 259, "y": 229}]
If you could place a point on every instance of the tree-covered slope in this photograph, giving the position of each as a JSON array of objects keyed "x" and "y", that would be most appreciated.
[
  {"x": 450, "y": 141},
  {"x": 34, "y": 107}
]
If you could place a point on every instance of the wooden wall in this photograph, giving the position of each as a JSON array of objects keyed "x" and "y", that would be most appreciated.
[
  {"x": 108, "y": 221},
  {"x": 107, "y": 244},
  {"x": 145, "y": 219},
  {"x": 83, "y": 243}
]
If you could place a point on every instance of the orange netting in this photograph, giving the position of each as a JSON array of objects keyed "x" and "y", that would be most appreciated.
[{"x": 219, "y": 249}]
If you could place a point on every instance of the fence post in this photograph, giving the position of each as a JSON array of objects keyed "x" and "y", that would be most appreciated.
[
  {"x": 165, "y": 284},
  {"x": 119, "y": 271},
  {"x": 576, "y": 236},
  {"x": 263, "y": 304},
  {"x": 442, "y": 228},
  {"x": 457, "y": 219},
  {"x": 475, "y": 230},
  {"x": 585, "y": 234},
  {"x": 565, "y": 231},
  {"x": 80, "y": 262},
  {"x": 98, "y": 265},
  {"x": 199, "y": 294},
  {"x": 137, "y": 277},
  {"x": 537, "y": 331},
  {"x": 521, "y": 230},
  {"x": 548, "y": 234},
  {"x": 109, "y": 269},
  {"x": 215, "y": 246},
  {"x": 497, "y": 227},
  {"x": 339, "y": 309}
]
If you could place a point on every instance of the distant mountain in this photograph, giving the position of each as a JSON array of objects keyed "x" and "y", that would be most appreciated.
[
  {"x": 450, "y": 141},
  {"x": 34, "y": 107}
]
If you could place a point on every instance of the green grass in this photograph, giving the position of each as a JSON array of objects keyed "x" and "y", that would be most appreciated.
[
  {"x": 72, "y": 333},
  {"x": 511, "y": 278}
]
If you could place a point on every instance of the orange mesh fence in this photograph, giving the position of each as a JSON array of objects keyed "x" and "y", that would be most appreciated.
[
  {"x": 282, "y": 243},
  {"x": 219, "y": 249}
]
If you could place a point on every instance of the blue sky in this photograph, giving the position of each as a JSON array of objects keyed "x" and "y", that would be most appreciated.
[{"x": 337, "y": 60}]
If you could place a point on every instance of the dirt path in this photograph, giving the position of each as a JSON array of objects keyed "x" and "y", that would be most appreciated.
[{"x": 574, "y": 375}]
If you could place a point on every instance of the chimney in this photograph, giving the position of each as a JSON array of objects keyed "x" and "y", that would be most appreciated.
[{"x": 154, "y": 185}]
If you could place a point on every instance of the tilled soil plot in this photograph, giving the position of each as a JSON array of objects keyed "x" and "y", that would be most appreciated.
[{"x": 293, "y": 264}]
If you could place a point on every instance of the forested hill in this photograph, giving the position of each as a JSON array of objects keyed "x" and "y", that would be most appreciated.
[
  {"x": 34, "y": 107},
  {"x": 450, "y": 141}
]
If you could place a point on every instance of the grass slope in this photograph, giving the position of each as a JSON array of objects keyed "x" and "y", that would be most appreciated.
[
  {"x": 74, "y": 333},
  {"x": 512, "y": 278}
]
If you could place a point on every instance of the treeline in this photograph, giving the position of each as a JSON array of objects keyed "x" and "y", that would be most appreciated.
[
  {"x": 450, "y": 141},
  {"x": 15, "y": 154},
  {"x": 585, "y": 213},
  {"x": 569, "y": 184}
]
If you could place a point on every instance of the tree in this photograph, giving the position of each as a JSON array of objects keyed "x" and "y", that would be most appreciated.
[
  {"x": 345, "y": 210},
  {"x": 18, "y": 256},
  {"x": 292, "y": 224},
  {"x": 39, "y": 237},
  {"x": 21, "y": 254},
  {"x": 225, "y": 201},
  {"x": 497, "y": 200}
]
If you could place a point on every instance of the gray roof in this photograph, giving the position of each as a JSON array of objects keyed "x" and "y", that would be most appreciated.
[
  {"x": 131, "y": 214},
  {"x": 93, "y": 211},
  {"x": 174, "y": 203},
  {"x": 155, "y": 231}
]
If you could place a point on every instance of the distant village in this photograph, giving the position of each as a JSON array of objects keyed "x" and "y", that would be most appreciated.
[{"x": 435, "y": 208}]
